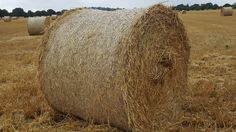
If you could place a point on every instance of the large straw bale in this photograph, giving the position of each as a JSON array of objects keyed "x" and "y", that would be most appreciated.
[
  {"x": 37, "y": 25},
  {"x": 127, "y": 68},
  {"x": 227, "y": 11},
  {"x": 6, "y": 19}
]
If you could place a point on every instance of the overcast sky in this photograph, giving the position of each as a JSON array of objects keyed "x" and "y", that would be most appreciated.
[{"x": 68, "y": 4}]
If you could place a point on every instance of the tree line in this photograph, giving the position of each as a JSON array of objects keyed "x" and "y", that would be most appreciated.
[
  {"x": 105, "y": 8},
  {"x": 206, "y": 6},
  {"x": 19, "y": 12}
]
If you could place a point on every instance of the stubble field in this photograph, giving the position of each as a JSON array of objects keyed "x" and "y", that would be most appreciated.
[{"x": 210, "y": 104}]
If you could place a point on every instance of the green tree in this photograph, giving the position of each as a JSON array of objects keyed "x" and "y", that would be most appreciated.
[
  {"x": 3, "y": 13},
  {"x": 234, "y": 5},
  {"x": 182, "y": 7},
  {"x": 208, "y": 6},
  {"x": 18, "y": 12},
  {"x": 51, "y": 12},
  {"x": 41, "y": 13},
  {"x": 37, "y": 13},
  {"x": 227, "y": 5},
  {"x": 44, "y": 13},
  {"x": 195, "y": 7},
  {"x": 215, "y": 6},
  {"x": 30, "y": 13}
]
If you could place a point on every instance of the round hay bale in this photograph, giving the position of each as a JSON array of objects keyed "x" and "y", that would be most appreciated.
[
  {"x": 54, "y": 17},
  {"x": 227, "y": 11},
  {"x": 37, "y": 25},
  {"x": 6, "y": 19},
  {"x": 14, "y": 18},
  {"x": 127, "y": 68}
]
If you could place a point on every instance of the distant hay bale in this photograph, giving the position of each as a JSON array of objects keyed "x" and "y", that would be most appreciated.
[
  {"x": 21, "y": 17},
  {"x": 14, "y": 18},
  {"x": 127, "y": 68},
  {"x": 183, "y": 12},
  {"x": 6, "y": 19},
  {"x": 37, "y": 25},
  {"x": 227, "y": 11},
  {"x": 54, "y": 17}
]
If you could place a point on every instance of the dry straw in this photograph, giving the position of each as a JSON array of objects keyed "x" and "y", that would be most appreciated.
[
  {"x": 54, "y": 17},
  {"x": 127, "y": 68},
  {"x": 183, "y": 12},
  {"x": 6, "y": 19},
  {"x": 37, "y": 25},
  {"x": 227, "y": 11}
]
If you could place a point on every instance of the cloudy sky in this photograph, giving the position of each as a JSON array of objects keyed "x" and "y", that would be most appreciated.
[{"x": 68, "y": 4}]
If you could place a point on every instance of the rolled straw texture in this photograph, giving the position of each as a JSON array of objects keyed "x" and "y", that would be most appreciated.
[{"x": 127, "y": 68}]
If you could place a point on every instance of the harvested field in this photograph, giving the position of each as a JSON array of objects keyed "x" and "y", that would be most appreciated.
[{"x": 210, "y": 104}]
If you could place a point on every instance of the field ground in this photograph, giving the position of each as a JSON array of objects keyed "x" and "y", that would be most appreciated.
[{"x": 210, "y": 104}]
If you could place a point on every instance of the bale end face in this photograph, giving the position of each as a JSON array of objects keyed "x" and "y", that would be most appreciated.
[{"x": 154, "y": 67}]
